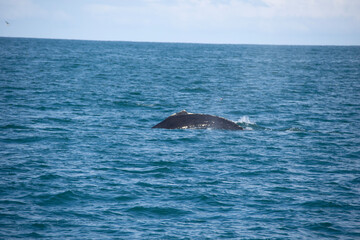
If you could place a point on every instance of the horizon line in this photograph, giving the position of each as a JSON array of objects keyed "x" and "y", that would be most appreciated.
[{"x": 176, "y": 42}]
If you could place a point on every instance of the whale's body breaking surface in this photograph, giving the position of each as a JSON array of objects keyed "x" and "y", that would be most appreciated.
[{"x": 185, "y": 120}]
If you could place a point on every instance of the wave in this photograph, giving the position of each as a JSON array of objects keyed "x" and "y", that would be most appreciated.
[
  {"x": 155, "y": 211},
  {"x": 295, "y": 129},
  {"x": 14, "y": 126},
  {"x": 194, "y": 90},
  {"x": 60, "y": 198},
  {"x": 19, "y": 140}
]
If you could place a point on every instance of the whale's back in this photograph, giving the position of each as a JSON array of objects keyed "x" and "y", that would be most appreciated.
[{"x": 185, "y": 120}]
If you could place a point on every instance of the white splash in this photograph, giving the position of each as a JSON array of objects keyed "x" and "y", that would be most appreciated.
[{"x": 245, "y": 119}]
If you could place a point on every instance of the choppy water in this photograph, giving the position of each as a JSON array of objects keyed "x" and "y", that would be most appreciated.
[{"x": 79, "y": 159}]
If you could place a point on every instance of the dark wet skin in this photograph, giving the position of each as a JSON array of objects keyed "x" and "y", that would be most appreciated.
[{"x": 185, "y": 120}]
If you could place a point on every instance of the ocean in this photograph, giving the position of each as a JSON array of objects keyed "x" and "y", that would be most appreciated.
[{"x": 79, "y": 159}]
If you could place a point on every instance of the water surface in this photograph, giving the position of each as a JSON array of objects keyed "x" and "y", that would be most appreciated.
[{"x": 79, "y": 157}]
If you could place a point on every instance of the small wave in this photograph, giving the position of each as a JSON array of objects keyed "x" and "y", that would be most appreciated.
[
  {"x": 14, "y": 126},
  {"x": 325, "y": 204},
  {"x": 135, "y": 93},
  {"x": 31, "y": 235},
  {"x": 124, "y": 104},
  {"x": 212, "y": 200},
  {"x": 23, "y": 139},
  {"x": 132, "y": 104},
  {"x": 294, "y": 129},
  {"x": 142, "y": 104},
  {"x": 39, "y": 226},
  {"x": 59, "y": 119},
  {"x": 157, "y": 211},
  {"x": 49, "y": 177},
  {"x": 126, "y": 198},
  {"x": 60, "y": 198},
  {"x": 147, "y": 170},
  {"x": 324, "y": 226},
  {"x": 194, "y": 90},
  {"x": 12, "y": 202}
]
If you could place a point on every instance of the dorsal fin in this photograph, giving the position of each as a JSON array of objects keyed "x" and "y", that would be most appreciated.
[{"x": 183, "y": 112}]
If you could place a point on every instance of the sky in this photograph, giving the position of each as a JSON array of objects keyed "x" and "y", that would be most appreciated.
[{"x": 290, "y": 22}]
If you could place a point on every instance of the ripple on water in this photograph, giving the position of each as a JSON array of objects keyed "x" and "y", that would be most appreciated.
[
  {"x": 155, "y": 212},
  {"x": 60, "y": 198}
]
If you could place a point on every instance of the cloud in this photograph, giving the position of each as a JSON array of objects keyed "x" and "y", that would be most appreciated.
[
  {"x": 314, "y": 8},
  {"x": 195, "y": 12},
  {"x": 227, "y": 20}
]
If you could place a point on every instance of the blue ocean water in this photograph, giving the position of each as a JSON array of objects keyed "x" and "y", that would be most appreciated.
[{"x": 79, "y": 160}]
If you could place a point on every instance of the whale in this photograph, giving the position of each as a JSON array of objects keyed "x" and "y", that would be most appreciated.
[{"x": 185, "y": 120}]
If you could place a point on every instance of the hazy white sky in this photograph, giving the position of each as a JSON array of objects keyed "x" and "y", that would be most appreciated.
[{"x": 325, "y": 22}]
